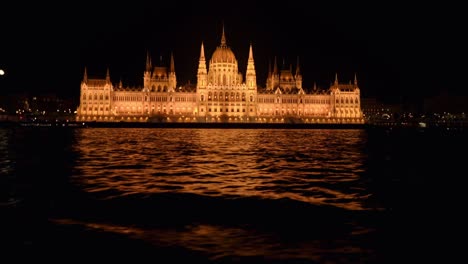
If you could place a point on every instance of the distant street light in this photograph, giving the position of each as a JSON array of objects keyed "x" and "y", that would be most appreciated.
[{"x": 2, "y": 72}]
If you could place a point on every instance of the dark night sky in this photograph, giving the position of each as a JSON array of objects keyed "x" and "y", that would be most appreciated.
[{"x": 397, "y": 49}]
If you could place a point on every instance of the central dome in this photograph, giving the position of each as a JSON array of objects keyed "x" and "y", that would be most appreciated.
[{"x": 223, "y": 53}]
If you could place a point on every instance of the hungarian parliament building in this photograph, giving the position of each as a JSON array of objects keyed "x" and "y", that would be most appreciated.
[{"x": 221, "y": 94}]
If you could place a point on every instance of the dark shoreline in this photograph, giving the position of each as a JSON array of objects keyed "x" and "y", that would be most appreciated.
[
  {"x": 225, "y": 125},
  {"x": 208, "y": 125}
]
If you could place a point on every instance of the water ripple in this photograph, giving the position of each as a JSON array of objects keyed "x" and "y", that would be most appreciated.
[{"x": 313, "y": 166}]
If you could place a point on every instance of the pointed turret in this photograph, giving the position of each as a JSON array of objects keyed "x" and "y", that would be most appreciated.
[
  {"x": 251, "y": 77},
  {"x": 336, "y": 79},
  {"x": 355, "y": 79},
  {"x": 172, "y": 67},
  {"x": 202, "y": 73},
  {"x": 202, "y": 52},
  {"x": 147, "y": 73},
  {"x": 298, "y": 72},
  {"x": 202, "y": 61},
  {"x": 108, "y": 75},
  {"x": 85, "y": 76},
  {"x": 269, "y": 68},
  {"x": 148, "y": 61},
  {"x": 298, "y": 75},
  {"x": 275, "y": 67}
]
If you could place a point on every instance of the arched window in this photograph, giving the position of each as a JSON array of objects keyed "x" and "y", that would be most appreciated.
[
  {"x": 159, "y": 88},
  {"x": 95, "y": 97},
  {"x": 90, "y": 97},
  {"x": 84, "y": 96},
  {"x": 202, "y": 98},
  {"x": 224, "y": 79}
]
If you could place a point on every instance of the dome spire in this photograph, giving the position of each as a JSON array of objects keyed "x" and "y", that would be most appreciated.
[{"x": 223, "y": 38}]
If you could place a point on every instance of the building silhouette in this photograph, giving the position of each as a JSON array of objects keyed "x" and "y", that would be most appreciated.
[{"x": 221, "y": 94}]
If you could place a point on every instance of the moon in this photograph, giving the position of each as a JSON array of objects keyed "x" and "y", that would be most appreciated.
[{"x": 2, "y": 72}]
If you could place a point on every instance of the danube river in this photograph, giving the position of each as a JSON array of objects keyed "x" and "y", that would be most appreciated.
[{"x": 168, "y": 195}]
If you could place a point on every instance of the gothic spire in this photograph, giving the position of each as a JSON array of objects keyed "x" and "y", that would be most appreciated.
[
  {"x": 172, "y": 67},
  {"x": 202, "y": 62},
  {"x": 202, "y": 52},
  {"x": 85, "y": 75},
  {"x": 108, "y": 75},
  {"x": 336, "y": 78},
  {"x": 250, "y": 53},
  {"x": 269, "y": 68},
  {"x": 250, "y": 74},
  {"x": 275, "y": 67},
  {"x": 355, "y": 79},
  {"x": 148, "y": 61},
  {"x": 298, "y": 72}
]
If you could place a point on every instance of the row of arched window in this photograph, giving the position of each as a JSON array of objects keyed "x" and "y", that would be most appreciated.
[
  {"x": 159, "y": 88},
  {"x": 214, "y": 96},
  {"x": 96, "y": 97},
  {"x": 347, "y": 100}
]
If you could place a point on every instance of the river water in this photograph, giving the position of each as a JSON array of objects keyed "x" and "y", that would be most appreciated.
[{"x": 179, "y": 195}]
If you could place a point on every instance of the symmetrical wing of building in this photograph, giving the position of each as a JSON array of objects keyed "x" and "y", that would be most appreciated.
[{"x": 221, "y": 95}]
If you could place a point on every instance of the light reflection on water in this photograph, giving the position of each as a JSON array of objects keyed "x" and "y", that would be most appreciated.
[
  {"x": 320, "y": 167},
  {"x": 268, "y": 196}
]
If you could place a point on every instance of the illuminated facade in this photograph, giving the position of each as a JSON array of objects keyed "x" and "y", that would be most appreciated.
[{"x": 221, "y": 95}]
